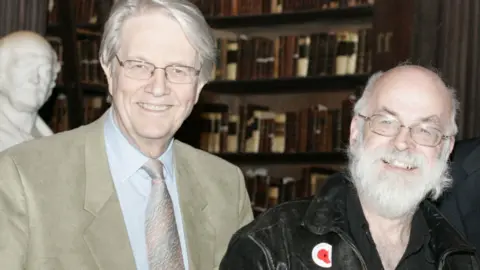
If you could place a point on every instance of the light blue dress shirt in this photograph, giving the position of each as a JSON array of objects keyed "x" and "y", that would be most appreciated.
[{"x": 133, "y": 188}]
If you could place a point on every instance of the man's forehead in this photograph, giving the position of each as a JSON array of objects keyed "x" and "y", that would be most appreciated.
[
  {"x": 158, "y": 22},
  {"x": 424, "y": 116},
  {"x": 411, "y": 110},
  {"x": 157, "y": 38},
  {"x": 412, "y": 95}
]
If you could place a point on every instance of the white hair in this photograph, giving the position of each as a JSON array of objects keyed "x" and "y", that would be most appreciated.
[
  {"x": 362, "y": 104},
  {"x": 188, "y": 16}
]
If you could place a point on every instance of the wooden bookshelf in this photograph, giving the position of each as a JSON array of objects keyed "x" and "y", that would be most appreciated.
[
  {"x": 296, "y": 23},
  {"x": 277, "y": 23},
  {"x": 358, "y": 14},
  {"x": 90, "y": 89},
  {"x": 97, "y": 89},
  {"x": 317, "y": 84},
  {"x": 332, "y": 158}
]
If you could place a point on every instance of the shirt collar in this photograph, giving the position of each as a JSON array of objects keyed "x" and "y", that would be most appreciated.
[{"x": 126, "y": 158}]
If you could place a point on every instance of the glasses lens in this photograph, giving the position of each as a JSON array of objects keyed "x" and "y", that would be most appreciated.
[
  {"x": 138, "y": 70},
  {"x": 427, "y": 136},
  {"x": 180, "y": 74},
  {"x": 384, "y": 125}
]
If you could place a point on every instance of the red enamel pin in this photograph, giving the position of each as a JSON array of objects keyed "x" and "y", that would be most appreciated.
[{"x": 322, "y": 255}]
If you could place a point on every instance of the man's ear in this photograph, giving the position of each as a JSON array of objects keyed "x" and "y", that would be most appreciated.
[
  {"x": 451, "y": 145},
  {"x": 200, "y": 86},
  {"x": 107, "y": 69},
  {"x": 354, "y": 130}
]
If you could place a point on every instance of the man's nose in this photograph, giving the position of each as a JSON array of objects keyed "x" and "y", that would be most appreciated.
[
  {"x": 159, "y": 86},
  {"x": 403, "y": 140}
]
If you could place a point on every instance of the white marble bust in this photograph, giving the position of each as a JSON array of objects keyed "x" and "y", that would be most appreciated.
[{"x": 28, "y": 69}]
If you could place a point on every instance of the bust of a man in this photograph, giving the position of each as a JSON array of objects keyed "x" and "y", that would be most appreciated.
[{"x": 28, "y": 69}]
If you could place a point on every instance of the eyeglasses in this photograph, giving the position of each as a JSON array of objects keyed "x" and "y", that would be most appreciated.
[
  {"x": 142, "y": 70},
  {"x": 422, "y": 133}
]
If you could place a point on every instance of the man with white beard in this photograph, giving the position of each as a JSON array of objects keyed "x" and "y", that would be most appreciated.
[{"x": 378, "y": 215}]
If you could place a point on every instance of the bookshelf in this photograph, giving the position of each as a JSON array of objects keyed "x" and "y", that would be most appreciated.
[
  {"x": 334, "y": 17},
  {"x": 279, "y": 105},
  {"x": 326, "y": 158},
  {"x": 292, "y": 23},
  {"x": 314, "y": 84}
]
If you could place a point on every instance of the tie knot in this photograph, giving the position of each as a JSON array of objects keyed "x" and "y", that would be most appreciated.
[{"x": 154, "y": 168}]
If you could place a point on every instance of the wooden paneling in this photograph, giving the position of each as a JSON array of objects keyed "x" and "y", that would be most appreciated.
[
  {"x": 18, "y": 15},
  {"x": 459, "y": 59},
  {"x": 405, "y": 30}
]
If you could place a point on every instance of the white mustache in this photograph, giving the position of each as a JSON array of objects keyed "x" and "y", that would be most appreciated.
[{"x": 392, "y": 155}]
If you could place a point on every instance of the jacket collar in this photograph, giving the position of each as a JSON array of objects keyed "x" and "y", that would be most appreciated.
[{"x": 327, "y": 213}]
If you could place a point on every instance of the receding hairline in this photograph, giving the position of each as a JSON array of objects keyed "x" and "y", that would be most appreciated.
[
  {"x": 412, "y": 70},
  {"x": 421, "y": 73}
]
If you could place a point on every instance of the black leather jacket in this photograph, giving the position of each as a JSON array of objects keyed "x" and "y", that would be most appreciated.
[{"x": 284, "y": 236}]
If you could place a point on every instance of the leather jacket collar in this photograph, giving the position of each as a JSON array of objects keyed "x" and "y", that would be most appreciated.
[{"x": 327, "y": 213}]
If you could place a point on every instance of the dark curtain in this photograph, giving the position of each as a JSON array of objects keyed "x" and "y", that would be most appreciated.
[
  {"x": 18, "y": 15},
  {"x": 459, "y": 59}
]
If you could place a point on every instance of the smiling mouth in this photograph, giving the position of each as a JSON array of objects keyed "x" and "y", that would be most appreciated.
[
  {"x": 399, "y": 165},
  {"x": 154, "y": 108}
]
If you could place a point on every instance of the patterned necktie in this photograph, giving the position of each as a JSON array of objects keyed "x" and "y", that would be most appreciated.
[{"x": 163, "y": 244}]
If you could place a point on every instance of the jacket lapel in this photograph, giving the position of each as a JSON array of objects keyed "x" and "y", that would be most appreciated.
[
  {"x": 106, "y": 236},
  {"x": 199, "y": 233},
  {"x": 444, "y": 237}
]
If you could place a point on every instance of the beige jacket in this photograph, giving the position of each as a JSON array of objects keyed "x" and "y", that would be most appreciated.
[{"x": 59, "y": 209}]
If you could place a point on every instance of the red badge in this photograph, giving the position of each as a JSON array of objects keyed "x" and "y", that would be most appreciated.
[{"x": 322, "y": 255}]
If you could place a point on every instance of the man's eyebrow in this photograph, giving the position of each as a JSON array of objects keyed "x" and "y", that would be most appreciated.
[
  {"x": 384, "y": 109},
  {"x": 431, "y": 119},
  {"x": 138, "y": 58},
  {"x": 434, "y": 119},
  {"x": 168, "y": 63}
]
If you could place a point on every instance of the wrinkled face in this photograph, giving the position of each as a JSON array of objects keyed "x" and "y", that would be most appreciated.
[
  {"x": 31, "y": 77},
  {"x": 152, "y": 109},
  {"x": 394, "y": 173}
]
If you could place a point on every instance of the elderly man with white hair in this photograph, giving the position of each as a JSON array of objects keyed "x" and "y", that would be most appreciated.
[
  {"x": 122, "y": 193},
  {"x": 378, "y": 215}
]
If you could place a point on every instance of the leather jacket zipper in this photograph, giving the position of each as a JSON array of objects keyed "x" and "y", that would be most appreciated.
[{"x": 354, "y": 248}]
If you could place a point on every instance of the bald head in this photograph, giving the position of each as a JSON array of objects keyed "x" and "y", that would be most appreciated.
[{"x": 413, "y": 88}]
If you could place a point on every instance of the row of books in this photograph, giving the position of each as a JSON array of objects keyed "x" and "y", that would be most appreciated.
[
  {"x": 257, "y": 58},
  {"x": 90, "y": 70},
  {"x": 85, "y": 11},
  {"x": 319, "y": 54},
  {"x": 94, "y": 107},
  {"x": 254, "y": 7},
  {"x": 266, "y": 191},
  {"x": 257, "y": 129}
]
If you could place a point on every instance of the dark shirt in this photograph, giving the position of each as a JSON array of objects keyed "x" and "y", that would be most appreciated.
[{"x": 417, "y": 254}]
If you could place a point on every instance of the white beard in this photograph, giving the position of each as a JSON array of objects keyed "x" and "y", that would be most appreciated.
[{"x": 395, "y": 194}]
